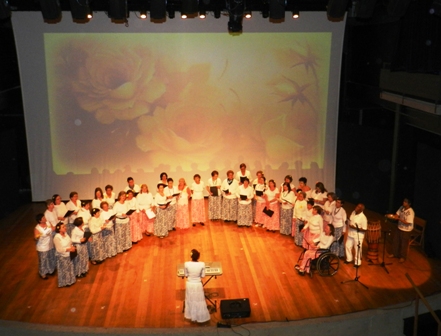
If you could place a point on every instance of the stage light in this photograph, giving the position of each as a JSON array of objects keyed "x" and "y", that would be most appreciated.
[
  {"x": 80, "y": 10},
  {"x": 158, "y": 10},
  {"x": 202, "y": 14},
  {"x": 189, "y": 8},
  {"x": 235, "y": 12},
  {"x": 90, "y": 15},
  {"x": 51, "y": 10},
  {"x": 247, "y": 14},
  {"x": 277, "y": 9},
  {"x": 183, "y": 16},
  {"x": 143, "y": 14},
  {"x": 295, "y": 14}
]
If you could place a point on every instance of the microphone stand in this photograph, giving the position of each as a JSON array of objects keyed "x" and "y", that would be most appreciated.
[
  {"x": 383, "y": 264},
  {"x": 356, "y": 268}
]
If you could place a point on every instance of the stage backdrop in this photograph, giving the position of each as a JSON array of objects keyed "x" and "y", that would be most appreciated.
[{"x": 105, "y": 101}]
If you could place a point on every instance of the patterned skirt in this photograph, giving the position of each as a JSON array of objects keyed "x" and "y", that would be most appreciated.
[
  {"x": 298, "y": 236},
  {"x": 123, "y": 235},
  {"x": 135, "y": 226},
  {"x": 109, "y": 243},
  {"x": 198, "y": 211},
  {"x": 245, "y": 215},
  {"x": 182, "y": 217},
  {"x": 171, "y": 216},
  {"x": 338, "y": 249},
  {"x": 195, "y": 305},
  {"x": 160, "y": 228},
  {"x": 272, "y": 223},
  {"x": 46, "y": 262},
  {"x": 286, "y": 221},
  {"x": 66, "y": 274},
  {"x": 146, "y": 223},
  {"x": 69, "y": 228},
  {"x": 97, "y": 247},
  {"x": 214, "y": 207},
  {"x": 229, "y": 209},
  {"x": 81, "y": 261},
  {"x": 260, "y": 216}
]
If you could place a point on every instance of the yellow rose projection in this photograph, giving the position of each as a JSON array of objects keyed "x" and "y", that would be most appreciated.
[{"x": 146, "y": 100}]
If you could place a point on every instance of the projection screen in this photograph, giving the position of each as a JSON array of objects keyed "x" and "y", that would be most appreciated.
[{"x": 106, "y": 101}]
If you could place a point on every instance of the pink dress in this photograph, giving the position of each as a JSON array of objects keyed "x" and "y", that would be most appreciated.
[
  {"x": 182, "y": 214},
  {"x": 135, "y": 222},
  {"x": 198, "y": 203},
  {"x": 145, "y": 202},
  {"x": 272, "y": 223}
]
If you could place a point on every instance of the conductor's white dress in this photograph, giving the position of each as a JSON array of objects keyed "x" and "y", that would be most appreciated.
[{"x": 195, "y": 305}]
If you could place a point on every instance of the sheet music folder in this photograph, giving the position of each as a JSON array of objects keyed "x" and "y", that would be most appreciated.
[{"x": 212, "y": 268}]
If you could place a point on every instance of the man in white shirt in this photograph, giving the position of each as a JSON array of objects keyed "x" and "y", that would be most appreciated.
[
  {"x": 357, "y": 228},
  {"x": 132, "y": 186},
  {"x": 405, "y": 216}
]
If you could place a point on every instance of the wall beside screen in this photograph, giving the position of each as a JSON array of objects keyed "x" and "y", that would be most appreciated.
[{"x": 105, "y": 101}]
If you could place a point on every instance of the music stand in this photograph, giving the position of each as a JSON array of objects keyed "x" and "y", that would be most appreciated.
[
  {"x": 383, "y": 264},
  {"x": 356, "y": 268}
]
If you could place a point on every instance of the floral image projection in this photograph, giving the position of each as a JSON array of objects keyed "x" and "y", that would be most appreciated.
[{"x": 188, "y": 100}]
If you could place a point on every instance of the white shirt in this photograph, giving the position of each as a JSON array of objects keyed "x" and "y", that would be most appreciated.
[
  {"x": 361, "y": 222},
  {"x": 239, "y": 175},
  {"x": 319, "y": 196},
  {"x": 406, "y": 215},
  {"x": 300, "y": 210},
  {"x": 232, "y": 188},
  {"x": 44, "y": 243},
  {"x": 61, "y": 210},
  {"x": 120, "y": 208},
  {"x": 144, "y": 201},
  {"x": 51, "y": 217},
  {"x": 289, "y": 198},
  {"x": 324, "y": 241},
  {"x": 77, "y": 235},
  {"x": 249, "y": 192},
  {"x": 105, "y": 215},
  {"x": 328, "y": 207},
  {"x": 198, "y": 190},
  {"x": 75, "y": 207},
  {"x": 96, "y": 203},
  {"x": 170, "y": 192},
  {"x": 62, "y": 243},
  {"x": 271, "y": 194},
  {"x": 260, "y": 187},
  {"x": 85, "y": 214},
  {"x": 215, "y": 183},
  {"x": 315, "y": 224},
  {"x": 136, "y": 188},
  {"x": 194, "y": 271},
  {"x": 131, "y": 204},
  {"x": 339, "y": 217},
  {"x": 95, "y": 224},
  {"x": 110, "y": 199},
  {"x": 160, "y": 200},
  {"x": 183, "y": 198}
]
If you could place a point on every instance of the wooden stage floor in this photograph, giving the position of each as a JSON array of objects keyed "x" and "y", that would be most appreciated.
[{"x": 140, "y": 289}]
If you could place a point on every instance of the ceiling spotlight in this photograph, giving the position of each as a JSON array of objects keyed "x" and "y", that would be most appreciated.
[
  {"x": 143, "y": 14},
  {"x": 90, "y": 15},
  {"x": 295, "y": 14},
  {"x": 202, "y": 14},
  {"x": 247, "y": 14},
  {"x": 183, "y": 16}
]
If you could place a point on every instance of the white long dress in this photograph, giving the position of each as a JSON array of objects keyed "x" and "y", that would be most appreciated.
[{"x": 195, "y": 305}]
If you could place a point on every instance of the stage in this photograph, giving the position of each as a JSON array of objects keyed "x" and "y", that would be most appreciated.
[{"x": 140, "y": 288}]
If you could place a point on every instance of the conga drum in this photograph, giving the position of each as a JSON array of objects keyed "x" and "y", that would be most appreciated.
[{"x": 373, "y": 235}]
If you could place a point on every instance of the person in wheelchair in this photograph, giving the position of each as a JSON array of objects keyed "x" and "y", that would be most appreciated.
[{"x": 316, "y": 247}]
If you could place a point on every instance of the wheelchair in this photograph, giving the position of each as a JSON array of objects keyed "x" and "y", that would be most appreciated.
[{"x": 325, "y": 262}]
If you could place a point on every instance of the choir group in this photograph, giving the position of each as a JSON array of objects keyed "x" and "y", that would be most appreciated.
[{"x": 70, "y": 235}]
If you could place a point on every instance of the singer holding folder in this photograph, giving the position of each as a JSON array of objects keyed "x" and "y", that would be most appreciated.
[
  {"x": 287, "y": 199},
  {"x": 245, "y": 194},
  {"x": 357, "y": 228},
  {"x": 214, "y": 198},
  {"x": 229, "y": 203}
]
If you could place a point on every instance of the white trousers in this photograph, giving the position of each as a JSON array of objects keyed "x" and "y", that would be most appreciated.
[{"x": 351, "y": 243}]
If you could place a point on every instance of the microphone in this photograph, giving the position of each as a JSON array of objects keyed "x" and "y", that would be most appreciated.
[{"x": 358, "y": 229}]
